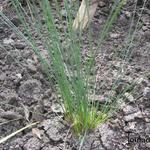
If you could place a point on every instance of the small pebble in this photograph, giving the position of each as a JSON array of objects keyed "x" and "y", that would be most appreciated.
[
  {"x": 19, "y": 46},
  {"x": 8, "y": 41},
  {"x": 146, "y": 93},
  {"x": 129, "y": 97}
]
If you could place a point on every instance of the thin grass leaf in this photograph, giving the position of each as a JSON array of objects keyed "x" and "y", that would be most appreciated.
[{"x": 16, "y": 132}]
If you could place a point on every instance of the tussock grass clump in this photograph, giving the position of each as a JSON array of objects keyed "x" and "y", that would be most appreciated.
[{"x": 64, "y": 48}]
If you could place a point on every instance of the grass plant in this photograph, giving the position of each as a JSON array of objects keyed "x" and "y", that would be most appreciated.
[{"x": 64, "y": 50}]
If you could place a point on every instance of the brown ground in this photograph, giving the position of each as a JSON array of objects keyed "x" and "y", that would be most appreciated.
[{"x": 25, "y": 93}]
